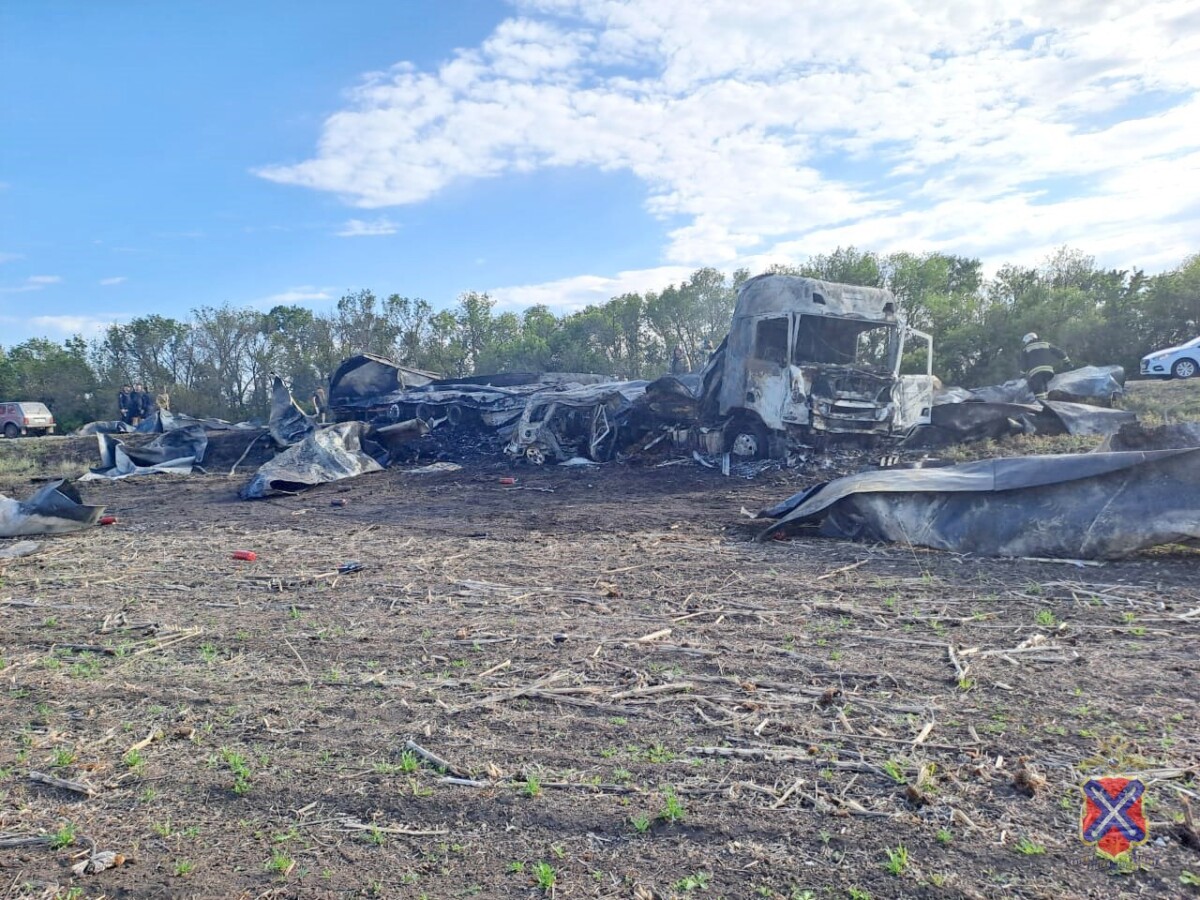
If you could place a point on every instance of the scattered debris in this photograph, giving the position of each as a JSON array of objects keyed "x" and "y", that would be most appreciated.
[
  {"x": 99, "y": 862},
  {"x": 434, "y": 469},
  {"x": 579, "y": 462},
  {"x": 1094, "y": 385},
  {"x": 1080, "y": 506},
  {"x": 589, "y": 420},
  {"x": 19, "y": 549},
  {"x": 1135, "y": 436},
  {"x": 161, "y": 421},
  {"x": 289, "y": 424},
  {"x": 397, "y": 437},
  {"x": 174, "y": 452},
  {"x": 330, "y": 454},
  {"x": 55, "y": 508},
  {"x": 76, "y": 787},
  {"x": 365, "y": 382}
]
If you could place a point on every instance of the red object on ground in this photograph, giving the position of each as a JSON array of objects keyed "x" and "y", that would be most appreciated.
[
  {"x": 508, "y": 480},
  {"x": 108, "y": 520},
  {"x": 247, "y": 555}
]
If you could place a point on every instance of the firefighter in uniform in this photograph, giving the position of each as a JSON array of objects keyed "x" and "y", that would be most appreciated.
[{"x": 1039, "y": 358}]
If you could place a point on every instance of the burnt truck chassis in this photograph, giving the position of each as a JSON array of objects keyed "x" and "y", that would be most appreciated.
[{"x": 806, "y": 363}]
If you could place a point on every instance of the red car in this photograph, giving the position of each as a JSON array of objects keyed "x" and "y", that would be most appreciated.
[{"x": 17, "y": 419}]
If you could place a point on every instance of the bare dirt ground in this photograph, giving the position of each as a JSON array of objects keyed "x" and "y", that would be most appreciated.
[{"x": 630, "y": 696}]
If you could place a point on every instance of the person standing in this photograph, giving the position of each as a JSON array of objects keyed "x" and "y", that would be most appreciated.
[
  {"x": 125, "y": 404},
  {"x": 320, "y": 404},
  {"x": 145, "y": 402},
  {"x": 163, "y": 401},
  {"x": 680, "y": 364},
  {"x": 138, "y": 408},
  {"x": 1038, "y": 359}
]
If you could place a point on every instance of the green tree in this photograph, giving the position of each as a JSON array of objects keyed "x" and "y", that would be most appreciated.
[{"x": 59, "y": 375}]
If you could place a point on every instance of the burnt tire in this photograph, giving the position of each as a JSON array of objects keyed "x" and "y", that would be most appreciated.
[
  {"x": 1184, "y": 368},
  {"x": 11, "y": 430},
  {"x": 747, "y": 439}
]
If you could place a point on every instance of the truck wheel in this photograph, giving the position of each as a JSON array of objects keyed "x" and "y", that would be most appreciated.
[
  {"x": 747, "y": 440},
  {"x": 1185, "y": 368},
  {"x": 11, "y": 430}
]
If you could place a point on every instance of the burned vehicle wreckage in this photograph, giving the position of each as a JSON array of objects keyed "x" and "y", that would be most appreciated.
[
  {"x": 808, "y": 359},
  {"x": 534, "y": 416},
  {"x": 805, "y": 362}
]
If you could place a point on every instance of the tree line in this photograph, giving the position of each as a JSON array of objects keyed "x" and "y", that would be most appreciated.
[{"x": 219, "y": 361}]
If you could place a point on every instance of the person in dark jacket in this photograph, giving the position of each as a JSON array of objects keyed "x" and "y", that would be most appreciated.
[
  {"x": 1038, "y": 359},
  {"x": 125, "y": 404},
  {"x": 141, "y": 404}
]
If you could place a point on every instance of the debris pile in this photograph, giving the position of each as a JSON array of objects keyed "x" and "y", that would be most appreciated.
[
  {"x": 330, "y": 454},
  {"x": 176, "y": 452},
  {"x": 1079, "y": 403},
  {"x": 1100, "y": 505},
  {"x": 56, "y": 508}
]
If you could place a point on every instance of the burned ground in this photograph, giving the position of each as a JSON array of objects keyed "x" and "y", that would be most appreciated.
[{"x": 643, "y": 701}]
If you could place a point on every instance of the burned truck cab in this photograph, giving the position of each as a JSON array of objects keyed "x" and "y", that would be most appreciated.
[{"x": 808, "y": 358}]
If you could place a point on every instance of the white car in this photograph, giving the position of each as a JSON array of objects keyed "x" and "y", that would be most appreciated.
[{"x": 1174, "y": 362}]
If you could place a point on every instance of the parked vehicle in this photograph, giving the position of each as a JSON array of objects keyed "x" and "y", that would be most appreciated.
[
  {"x": 1174, "y": 362},
  {"x": 18, "y": 418}
]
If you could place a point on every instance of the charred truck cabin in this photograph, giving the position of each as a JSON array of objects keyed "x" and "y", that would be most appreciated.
[{"x": 808, "y": 359}]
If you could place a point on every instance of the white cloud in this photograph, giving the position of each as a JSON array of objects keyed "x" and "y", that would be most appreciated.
[
  {"x": 109, "y": 282},
  {"x": 361, "y": 228},
  {"x": 10, "y": 257},
  {"x": 68, "y": 325},
  {"x": 32, "y": 283},
  {"x": 568, "y": 295},
  {"x": 305, "y": 295},
  {"x": 776, "y": 130}
]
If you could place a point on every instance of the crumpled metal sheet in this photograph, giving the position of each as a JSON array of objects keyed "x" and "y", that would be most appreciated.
[
  {"x": 289, "y": 424},
  {"x": 175, "y": 452},
  {"x": 1084, "y": 418},
  {"x": 115, "y": 426},
  {"x": 56, "y": 508},
  {"x": 1015, "y": 391},
  {"x": 1096, "y": 385},
  {"x": 1076, "y": 506},
  {"x": 331, "y": 454},
  {"x": 673, "y": 399},
  {"x": 1093, "y": 385},
  {"x": 965, "y": 423},
  {"x": 161, "y": 421},
  {"x": 360, "y": 379}
]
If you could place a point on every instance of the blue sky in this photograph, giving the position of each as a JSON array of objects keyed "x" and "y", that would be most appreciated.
[{"x": 155, "y": 157}]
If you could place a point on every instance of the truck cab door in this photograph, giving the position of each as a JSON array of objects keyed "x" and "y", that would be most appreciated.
[
  {"x": 913, "y": 394},
  {"x": 796, "y": 407},
  {"x": 768, "y": 381}
]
